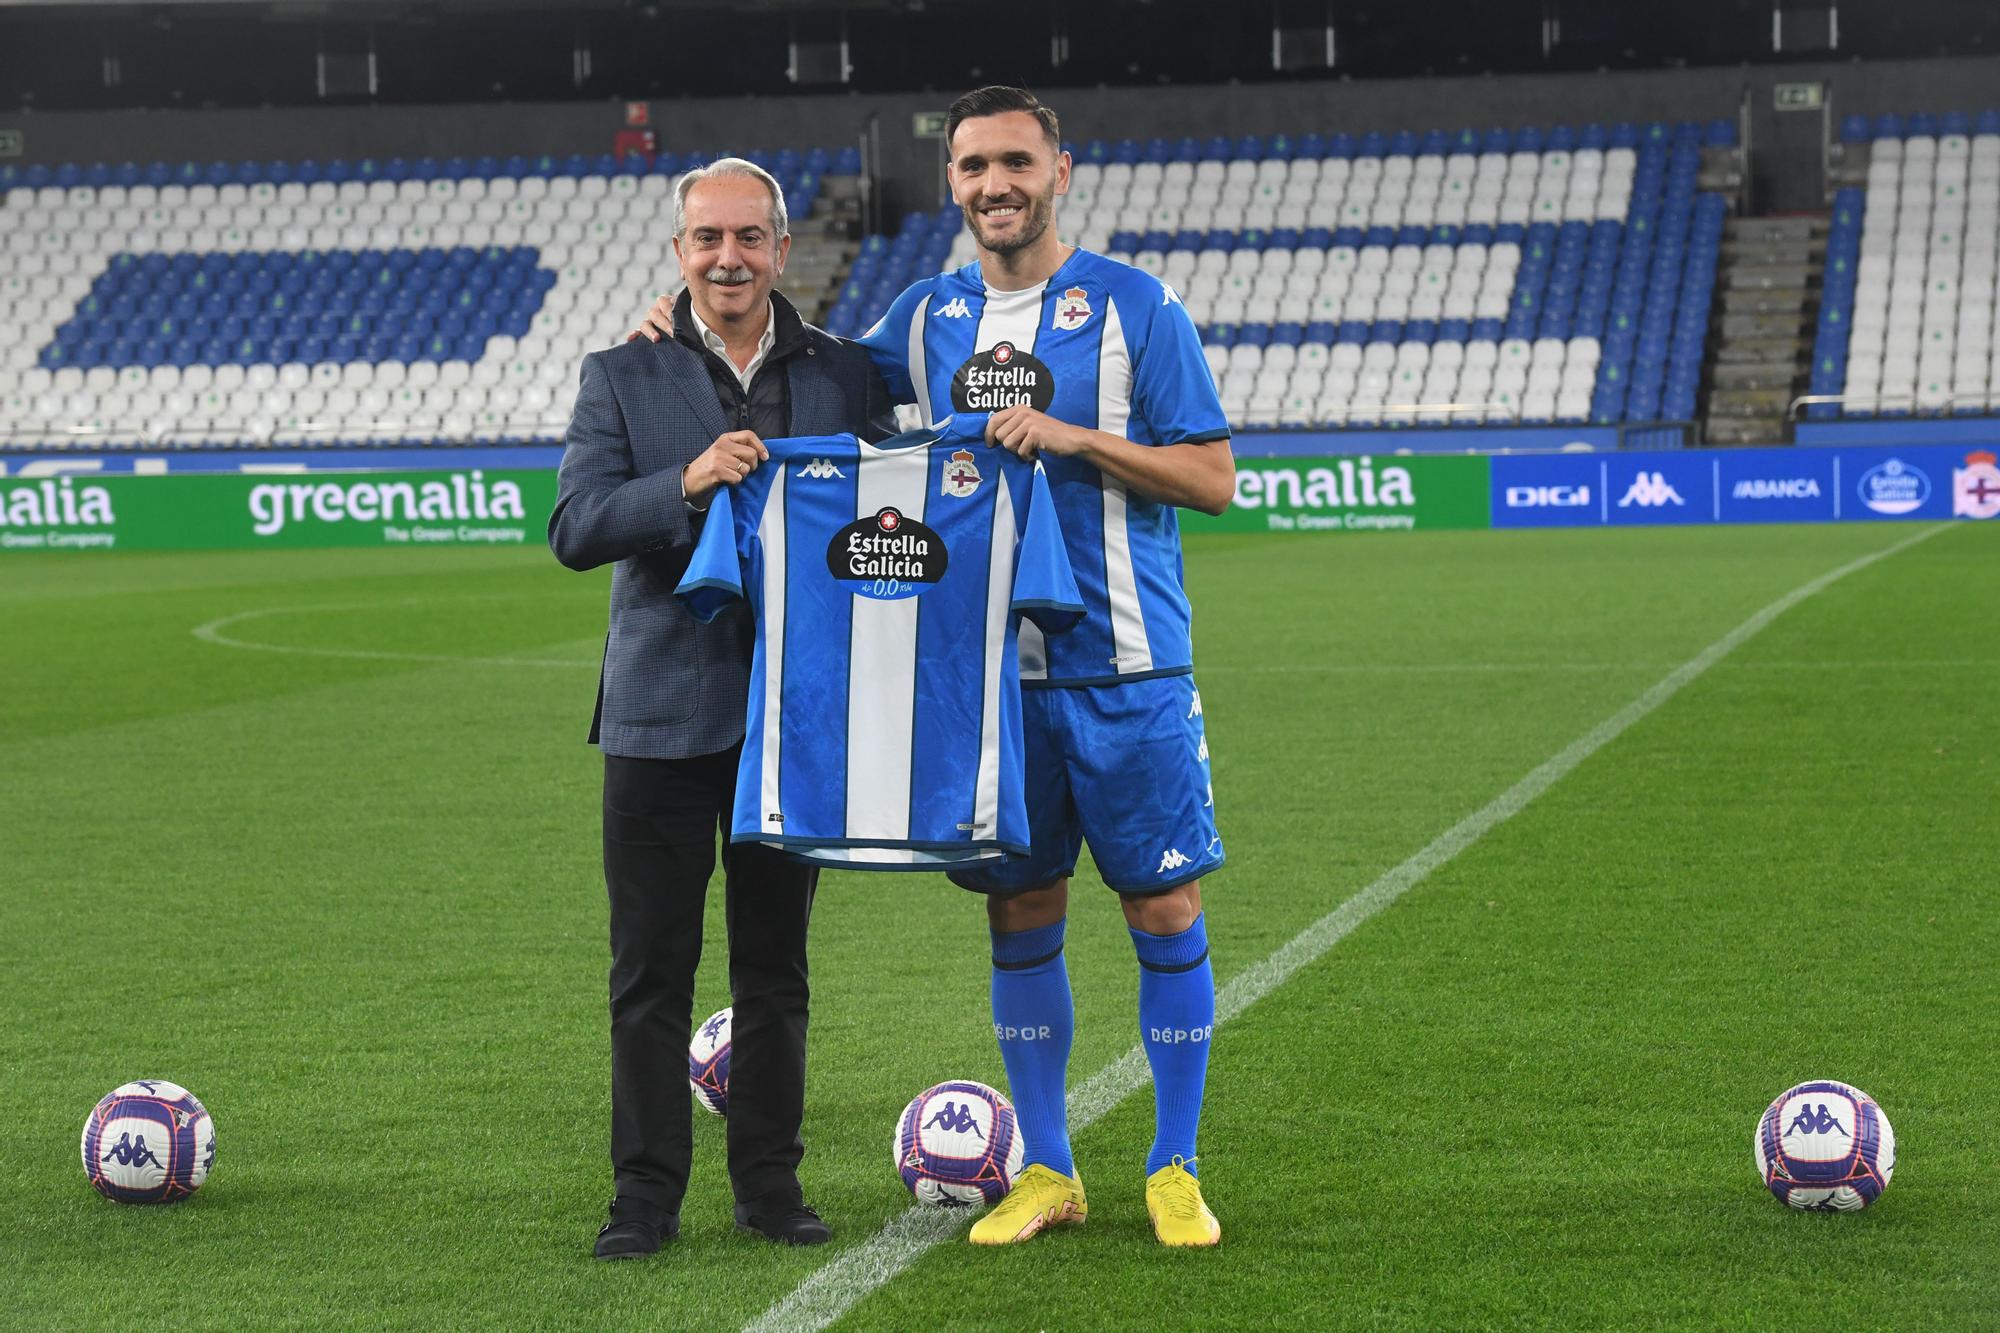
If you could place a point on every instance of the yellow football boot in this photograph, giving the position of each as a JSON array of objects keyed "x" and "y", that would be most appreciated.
[
  {"x": 1173, "y": 1200},
  {"x": 1040, "y": 1198}
]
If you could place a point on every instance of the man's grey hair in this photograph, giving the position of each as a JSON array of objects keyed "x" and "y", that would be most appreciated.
[{"x": 731, "y": 166}]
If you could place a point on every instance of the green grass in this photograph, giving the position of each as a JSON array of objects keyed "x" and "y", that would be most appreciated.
[{"x": 354, "y": 902}]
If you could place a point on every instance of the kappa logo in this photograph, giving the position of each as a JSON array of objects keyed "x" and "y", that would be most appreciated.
[
  {"x": 961, "y": 475},
  {"x": 955, "y": 1119},
  {"x": 1651, "y": 491},
  {"x": 1072, "y": 309},
  {"x": 1975, "y": 488},
  {"x": 1194, "y": 709},
  {"x": 1201, "y": 751},
  {"x": 1168, "y": 296},
  {"x": 955, "y": 308},
  {"x": 1172, "y": 859},
  {"x": 131, "y": 1152},
  {"x": 1815, "y": 1120},
  {"x": 822, "y": 469}
]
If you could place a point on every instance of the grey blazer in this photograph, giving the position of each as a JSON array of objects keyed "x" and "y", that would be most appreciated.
[{"x": 672, "y": 687}]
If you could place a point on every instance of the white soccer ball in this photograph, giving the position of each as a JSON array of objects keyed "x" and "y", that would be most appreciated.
[
  {"x": 148, "y": 1141},
  {"x": 1825, "y": 1146},
  {"x": 957, "y": 1145},
  {"x": 708, "y": 1062}
]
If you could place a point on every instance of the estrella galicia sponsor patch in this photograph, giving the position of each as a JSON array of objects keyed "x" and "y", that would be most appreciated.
[
  {"x": 888, "y": 556},
  {"x": 1002, "y": 376}
]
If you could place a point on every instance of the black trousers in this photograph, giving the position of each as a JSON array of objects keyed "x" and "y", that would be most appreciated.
[{"x": 661, "y": 818}]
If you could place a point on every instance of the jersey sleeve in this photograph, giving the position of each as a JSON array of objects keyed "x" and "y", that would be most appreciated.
[
  {"x": 715, "y": 575},
  {"x": 888, "y": 343},
  {"x": 1172, "y": 387},
  {"x": 1045, "y": 588}
]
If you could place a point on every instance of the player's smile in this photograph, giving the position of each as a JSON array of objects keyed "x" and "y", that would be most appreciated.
[{"x": 997, "y": 216}]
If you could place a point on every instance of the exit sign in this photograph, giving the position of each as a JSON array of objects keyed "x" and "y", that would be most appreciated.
[
  {"x": 1798, "y": 96},
  {"x": 928, "y": 124},
  {"x": 12, "y": 143}
]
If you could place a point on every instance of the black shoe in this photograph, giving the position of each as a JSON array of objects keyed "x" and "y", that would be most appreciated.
[
  {"x": 786, "y": 1222},
  {"x": 636, "y": 1229}
]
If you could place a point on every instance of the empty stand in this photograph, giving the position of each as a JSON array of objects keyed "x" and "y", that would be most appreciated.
[
  {"x": 1907, "y": 313},
  {"x": 1471, "y": 278},
  {"x": 295, "y": 303}
]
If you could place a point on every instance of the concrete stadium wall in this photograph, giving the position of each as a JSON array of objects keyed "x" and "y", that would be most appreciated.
[{"x": 1785, "y": 171}]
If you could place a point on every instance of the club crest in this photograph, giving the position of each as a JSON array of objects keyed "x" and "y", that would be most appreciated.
[
  {"x": 1072, "y": 309},
  {"x": 961, "y": 475}
]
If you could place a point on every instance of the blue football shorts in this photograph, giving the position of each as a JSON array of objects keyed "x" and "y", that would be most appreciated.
[{"x": 1124, "y": 767}]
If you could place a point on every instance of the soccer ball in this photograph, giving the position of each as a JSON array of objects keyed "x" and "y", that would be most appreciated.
[
  {"x": 1825, "y": 1146},
  {"x": 148, "y": 1142},
  {"x": 708, "y": 1063},
  {"x": 957, "y": 1145}
]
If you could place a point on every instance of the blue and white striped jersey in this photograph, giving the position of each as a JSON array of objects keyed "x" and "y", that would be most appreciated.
[
  {"x": 884, "y": 719},
  {"x": 1100, "y": 344}
]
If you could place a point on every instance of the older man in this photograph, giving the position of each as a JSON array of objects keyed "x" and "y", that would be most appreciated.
[{"x": 656, "y": 429}]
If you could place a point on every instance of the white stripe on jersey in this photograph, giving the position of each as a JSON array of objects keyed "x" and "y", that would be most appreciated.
[
  {"x": 920, "y": 378},
  {"x": 999, "y": 599},
  {"x": 1016, "y": 317},
  {"x": 771, "y": 534},
  {"x": 1129, "y": 648},
  {"x": 882, "y": 694}
]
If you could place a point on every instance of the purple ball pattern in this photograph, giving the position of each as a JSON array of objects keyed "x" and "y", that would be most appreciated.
[
  {"x": 708, "y": 1062},
  {"x": 1825, "y": 1146},
  {"x": 957, "y": 1145},
  {"x": 148, "y": 1141}
]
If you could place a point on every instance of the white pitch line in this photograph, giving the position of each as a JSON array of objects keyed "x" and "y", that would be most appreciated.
[
  {"x": 212, "y": 632},
  {"x": 831, "y": 1291}
]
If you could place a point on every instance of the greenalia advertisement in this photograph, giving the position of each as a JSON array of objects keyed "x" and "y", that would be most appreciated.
[
  {"x": 1354, "y": 493},
  {"x": 233, "y": 511}
]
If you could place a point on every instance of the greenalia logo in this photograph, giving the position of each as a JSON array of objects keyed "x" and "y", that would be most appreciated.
[
  {"x": 56, "y": 503},
  {"x": 457, "y": 498},
  {"x": 1349, "y": 484}
]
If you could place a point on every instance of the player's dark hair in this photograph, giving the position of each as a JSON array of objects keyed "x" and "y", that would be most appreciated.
[{"x": 995, "y": 99}]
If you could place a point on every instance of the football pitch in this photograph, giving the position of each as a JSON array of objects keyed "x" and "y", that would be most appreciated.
[{"x": 315, "y": 834}]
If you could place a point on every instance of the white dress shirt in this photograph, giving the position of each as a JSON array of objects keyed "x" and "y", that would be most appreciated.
[{"x": 714, "y": 343}]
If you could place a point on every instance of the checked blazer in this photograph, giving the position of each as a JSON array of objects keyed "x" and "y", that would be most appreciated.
[{"x": 672, "y": 687}]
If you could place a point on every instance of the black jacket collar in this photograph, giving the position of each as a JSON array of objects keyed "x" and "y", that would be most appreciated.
[{"x": 788, "y": 329}]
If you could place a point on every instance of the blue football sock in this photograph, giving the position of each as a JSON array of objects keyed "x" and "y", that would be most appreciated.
[
  {"x": 1035, "y": 1019},
  {"x": 1176, "y": 1020}
]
